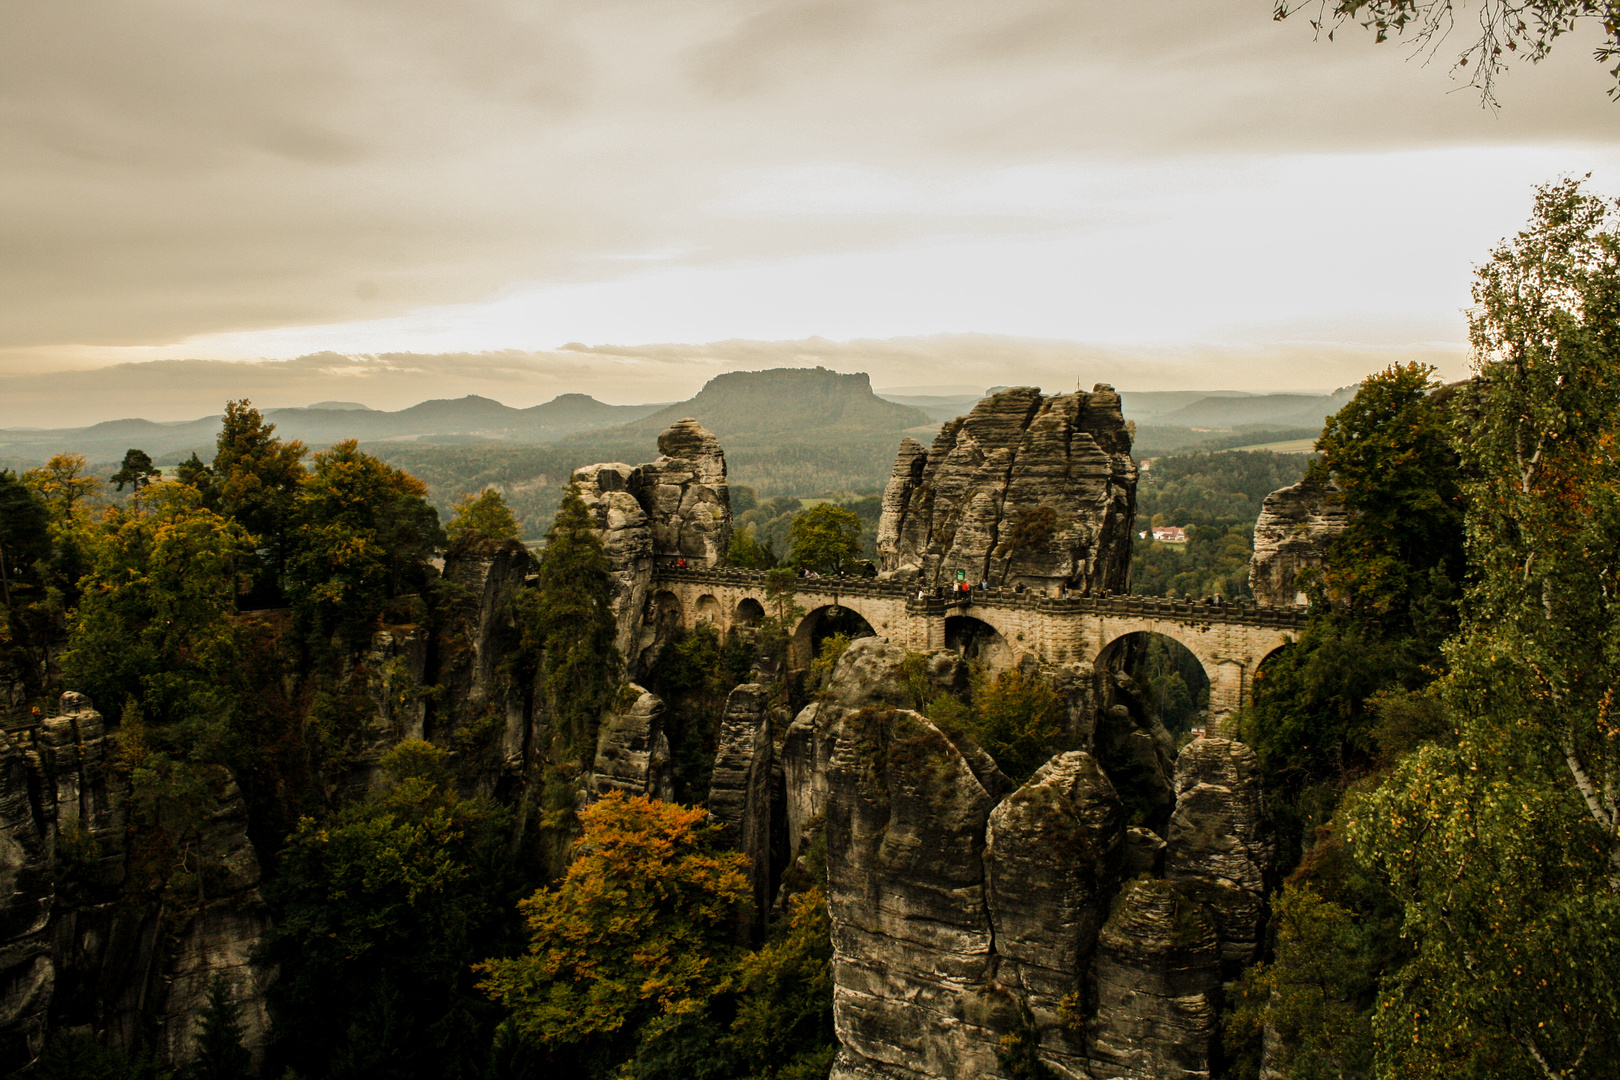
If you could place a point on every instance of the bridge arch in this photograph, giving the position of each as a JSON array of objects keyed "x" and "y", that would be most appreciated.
[
  {"x": 1174, "y": 679},
  {"x": 823, "y": 622},
  {"x": 707, "y": 609},
  {"x": 976, "y": 639},
  {"x": 750, "y": 612}
]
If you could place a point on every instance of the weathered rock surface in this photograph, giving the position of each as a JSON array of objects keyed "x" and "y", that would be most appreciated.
[
  {"x": 1157, "y": 980},
  {"x": 1221, "y": 845},
  {"x": 75, "y": 949},
  {"x": 1296, "y": 527},
  {"x": 912, "y": 940},
  {"x": 1024, "y": 488},
  {"x": 677, "y": 507},
  {"x": 632, "y": 750},
  {"x": 740, "y": 789},
  {"x": 1051, "y": 863},
  {"x": 486, "y": 574}
]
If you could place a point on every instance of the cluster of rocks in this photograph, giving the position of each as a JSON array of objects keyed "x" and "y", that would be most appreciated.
[
  {"x": 677, "y": 507},
  {"x": 1025, "y": 488},
  {"x": 966, "y": 909},
  {"x": 1295, "y": 530},
  {"x": 78, "y": 948}
]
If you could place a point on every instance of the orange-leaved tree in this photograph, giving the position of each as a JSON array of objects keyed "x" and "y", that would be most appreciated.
[{"x": 640, "y": 931}]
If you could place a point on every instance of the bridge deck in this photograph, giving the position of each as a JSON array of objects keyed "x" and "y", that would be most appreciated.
[{"x": 1192, "y": 611}]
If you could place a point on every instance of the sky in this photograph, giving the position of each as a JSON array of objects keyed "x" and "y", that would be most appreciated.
[{"x": 384, "y": 202}]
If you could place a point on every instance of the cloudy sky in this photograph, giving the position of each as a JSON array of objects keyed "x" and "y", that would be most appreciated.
[{"x": 382, "y": 202}]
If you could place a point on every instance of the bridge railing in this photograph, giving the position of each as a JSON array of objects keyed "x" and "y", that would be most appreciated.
[{"x": 937, "y": 601}]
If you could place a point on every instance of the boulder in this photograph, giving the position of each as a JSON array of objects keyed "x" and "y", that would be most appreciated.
[
  {"x": 1051, "y": 864},
  {"x": 1221, "y": 845},
  {"x": 1296, "y": 528},
  {"x": 1157, "y": 986},
  {"x": 632, "y": 749},
  {"x": 740, "y": 789},
  {"x": 1025, "y": 488}
]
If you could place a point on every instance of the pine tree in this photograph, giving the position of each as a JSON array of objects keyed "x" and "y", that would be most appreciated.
[{"x": 220, "y": 1054}]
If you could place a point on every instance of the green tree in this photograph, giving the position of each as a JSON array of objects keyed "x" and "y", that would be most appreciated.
[
  {"x": 1500, "y": 842},
  {"x": 219, "y": 1052},
  {"x": 638, "y": 935},
  {"x": 154, "y": 625},
  {"x": 382, "y": 909},
  {"x": 827, "y": 539},
  {"x": 1018, "y": 718},
  {"x": 483, "y": 516},
  {"x": 567, "y": 626},
  {"x": 364, "y": 535},
  {"x": 257, "y": 477},
  {"x": 783, "y": 1027},
  {"x": 747, "y": 553},
  {"x": 25, "y": 539},
  {"x": 137, "y": 470},
  {"x": 1523, "y": 28}
]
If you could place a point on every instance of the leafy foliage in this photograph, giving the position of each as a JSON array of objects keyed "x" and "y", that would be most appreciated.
[
  {"x": 567, "y": 626},
  {"x": 1017, "y": 717},
  {"x": 826, "y": 539},
  {"x": 383, "y": 908},
  {"x": 483, "y": 516},
  {"x": 137, "y": 470},
  {"x": 1523, "y": 28},
  {"x": 638, "y": 933}
]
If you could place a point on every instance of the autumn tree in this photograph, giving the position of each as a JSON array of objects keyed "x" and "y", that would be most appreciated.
[
  {"x": 826, "y": 539},
  {"x": 483, "y": 516},
  {"x": 637, "y": 935},
  {"x": 154, "y": 625}
]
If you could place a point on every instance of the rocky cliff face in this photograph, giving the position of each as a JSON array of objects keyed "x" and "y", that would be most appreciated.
[
  {"x": 1296, "y": 527},
  {"x": 1025, "y": 488},
  {"x": 965, "y": 912},
  {"x": 677, "y": 507},
  {"x": 632, "y": 750},
  {"x": 79, "y": 945}
]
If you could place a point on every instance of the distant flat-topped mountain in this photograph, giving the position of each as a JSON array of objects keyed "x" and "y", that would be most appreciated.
[
  {"x": 468, "y": 419},
  {"x": 796, "y": 403}
]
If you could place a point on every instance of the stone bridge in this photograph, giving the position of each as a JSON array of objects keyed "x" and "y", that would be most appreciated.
[{"x": 996, "y": 625}]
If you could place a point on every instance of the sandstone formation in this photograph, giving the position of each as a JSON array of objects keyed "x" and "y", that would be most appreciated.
[
  {"x": 740, "y": 789},
  {"x": 1221, "y": 846},
  {"x": 632, "y": 750},
  {"x": 1157, "y": 979},
  {"x": 1025, "y": 488},
  {"x": 1051, "y": 864},
  {"x": 912, "y": 939},
  {"x": 76, "y": 948},
  {"x": 1296, "y": 527},
  {"x": 677, "y": 507}
]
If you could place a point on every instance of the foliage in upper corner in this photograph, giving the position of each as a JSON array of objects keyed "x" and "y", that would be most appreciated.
[
  {"x": 1523, "y": 28},
  {"x": 483, "y": 516}
]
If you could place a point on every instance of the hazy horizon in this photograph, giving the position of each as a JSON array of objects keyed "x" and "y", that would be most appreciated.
[{"x": 317, "y": 201}]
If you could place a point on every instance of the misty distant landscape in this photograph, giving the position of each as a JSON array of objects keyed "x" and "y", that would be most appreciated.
[{"x": 803, "y": 433}]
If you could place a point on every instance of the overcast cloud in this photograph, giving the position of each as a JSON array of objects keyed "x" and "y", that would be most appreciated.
[{"x": 1183, "y": 179}]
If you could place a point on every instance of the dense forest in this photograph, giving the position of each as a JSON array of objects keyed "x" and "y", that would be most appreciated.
[{"x": 1438, "y": 746}]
